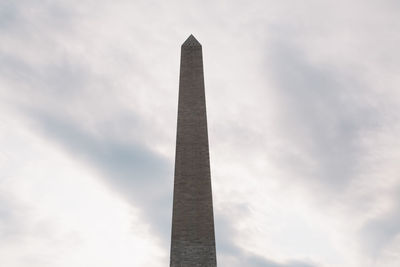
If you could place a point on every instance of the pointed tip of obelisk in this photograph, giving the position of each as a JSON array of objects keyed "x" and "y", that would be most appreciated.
[{"x": 191, "y": 42}]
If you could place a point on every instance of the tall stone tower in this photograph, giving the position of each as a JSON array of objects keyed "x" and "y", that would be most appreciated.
[{"x": 193, "y": 240}]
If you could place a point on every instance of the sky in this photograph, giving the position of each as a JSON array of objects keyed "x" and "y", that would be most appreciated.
[{"x": 303, "y": 116}]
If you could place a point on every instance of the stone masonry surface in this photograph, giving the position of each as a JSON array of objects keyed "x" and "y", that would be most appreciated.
[{"x": 192, "y": 240}]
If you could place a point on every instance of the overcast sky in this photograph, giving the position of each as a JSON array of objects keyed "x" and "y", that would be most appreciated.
[{"x": 303, "y": 107}]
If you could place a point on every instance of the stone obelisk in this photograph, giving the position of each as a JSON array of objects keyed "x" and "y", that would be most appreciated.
[{"x": 193, "y": 240}]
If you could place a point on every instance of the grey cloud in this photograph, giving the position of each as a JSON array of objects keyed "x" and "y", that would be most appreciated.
[
  {"x": 12, "y": 214},
  {"x": 28, "y": 20},
  {"x": 323, "y": 116},
  {"x": 377, "y": 233},
  {"x": 8, "y": 14},
  {"x": 64, "y": 78},
  {"x": 327, "y": 115},
  {"x": 142, "y": 176}
]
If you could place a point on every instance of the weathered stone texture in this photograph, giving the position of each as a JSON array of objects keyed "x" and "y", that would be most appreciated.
[{"x": 193, "y": 241}]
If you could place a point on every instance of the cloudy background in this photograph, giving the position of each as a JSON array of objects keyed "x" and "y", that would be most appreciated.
[{"x": 304, "y": 118}]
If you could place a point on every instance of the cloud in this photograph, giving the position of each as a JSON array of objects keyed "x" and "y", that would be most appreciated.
[
  {"x": 230, "y": 251},
  {"x": 141, "y": 175},
  {"x": 378, "y": 233},
  {"x": 12, "y": 217},
  {"x": 302, "y": 112},
  {"x": 322, "y": 117}
]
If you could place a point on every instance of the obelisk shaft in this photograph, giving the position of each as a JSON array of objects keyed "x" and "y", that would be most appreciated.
[{"x": 193, "y": 240}]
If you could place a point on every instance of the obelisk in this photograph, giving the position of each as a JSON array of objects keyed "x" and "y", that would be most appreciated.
[{"x": 193, "y": 240}]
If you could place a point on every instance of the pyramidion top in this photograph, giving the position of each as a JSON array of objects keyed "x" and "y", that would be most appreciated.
[{"x": 191, "y": 42}]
